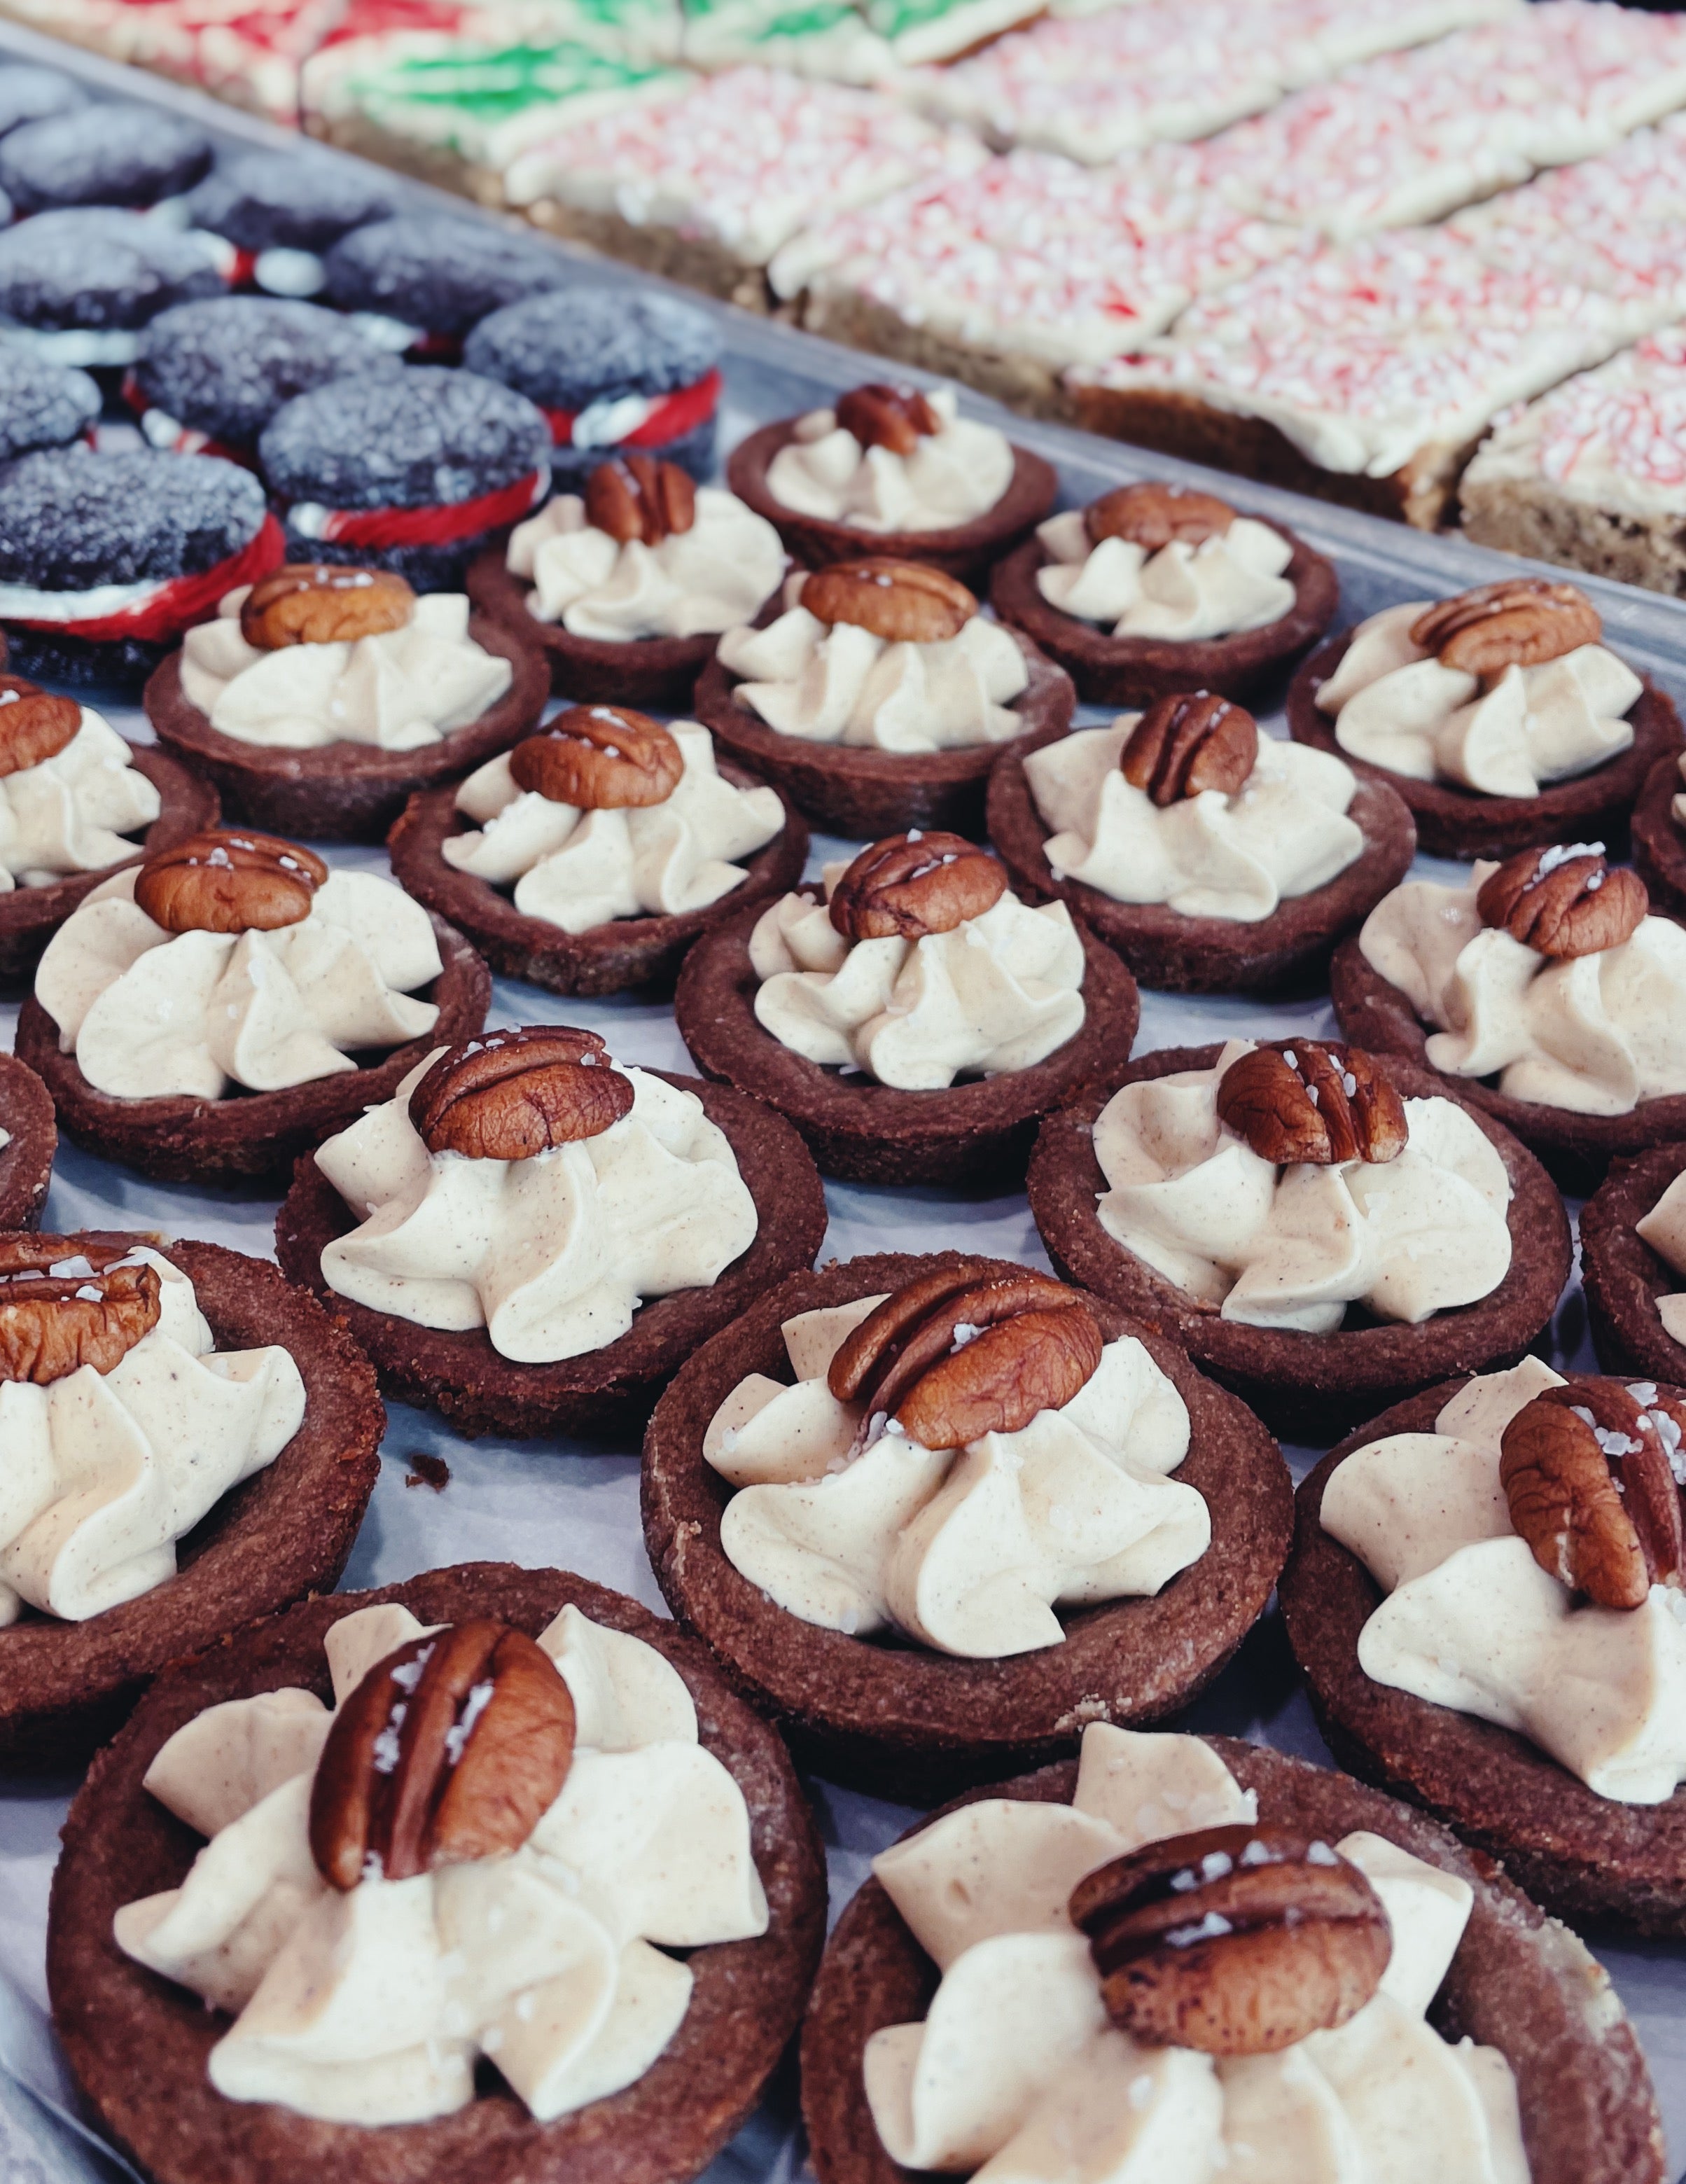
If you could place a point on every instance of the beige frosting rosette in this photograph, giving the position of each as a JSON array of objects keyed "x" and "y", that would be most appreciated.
[
  {"x": 69, "y": 790},
  {"x": 1664, "y": 1228},
  {"x": 1211, "y": 578},
  {"x": 892, "y": 460}
]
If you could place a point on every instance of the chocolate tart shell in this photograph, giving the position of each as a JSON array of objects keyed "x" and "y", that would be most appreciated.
[
  {"x": 1134, "y": 671},
  {"x": 138, "y": 2044},
  {"x": 605, "y": 1392},
  {"x": 1584, "y": 1856},
  {"x": 1519, "y": 1982},
  {"x": 1306, "y": 1387},
  {"x": 1622, "y": 1277},
  {"x": 896, "y": 1717},
  {"x": 30, "y": 916},
  {"x": 345, "y": 792},
  {"x": 607, "y": 959},
  {"x": 26, "y": 1159},
  {"x": 1183, "y": 954},
  {"x": 1453, "y": 821},
  {"x": 977, "y": 1132},
  {"x": 180, "y": 1139},
  {"x": 1659, "y": 846},
  {"x": 963, "y": 549},
  {"x": 856, "y": 790},
  {"x": 287, "y": 1531}
]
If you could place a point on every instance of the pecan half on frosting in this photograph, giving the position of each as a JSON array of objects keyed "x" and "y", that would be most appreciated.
[
  {"x": 453, "y": 1747},
  {"x": 903, "y": 602},
  {"x": 34, "y": 725},
  {"x": 911, "y": 886},
  {"x": 320, "y": 603},
  {"x": 66, "y": 1301},
  {"x": 1235, "y": 1940},
  {"x": 509, "y": 1094},
  {"x": 1521, "y": 621},
  {"x": 229, "y": 880},
  {"x": 1151, "y": 516},
  {"x": 1303, "y": 1103},
  {"x": 637, "y": 497},
  {"x": 603, "y": 758},
  {"x": 1184, "y": 746},
  {"x": 883, "y": 416},
  {"x": 1564, "y": 901},
  {"x": 1589, "y": 1471}
]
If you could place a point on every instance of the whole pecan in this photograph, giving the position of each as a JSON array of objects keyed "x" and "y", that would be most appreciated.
[
  {"x": 1184, "y": 746},
  {"x": 883, "y": 416},
  {"x": 1564, "y": 901},
  {"x": 34, "y": 725},
  {"x": 319, "y": 602},
  {"x": 1302, "y": 1103},
  {"x": 66, "y": 1302},
  {"x": 509, "y": 1094},
  {"x": 903, "y": 602},
  {"x": 1235, "y": 1940},
  {"x": 1587, "y": 1474},
  {"x": 1521, "y": 621},
  {"x": 229, "y": 880},
  {"x": 909, "y": 886},
  {"x": 637, "y": 497},
  {"x": 603, "y": 758},
  {"x": 1152, "y": 515},
  {"x": 453, "y": 1747}
]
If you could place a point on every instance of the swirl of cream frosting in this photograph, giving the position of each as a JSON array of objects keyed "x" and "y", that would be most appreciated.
[
  {"x": 1677, "y": 809},
  {"x": 695, "y": 583},
  {"x": 402, "y": 689},
  {"x": 69, "y": 814},
  {"x": 998, "y": 993},
  {"x": 952, "y": 477},
  {"x": 555, "y": 1962},
  {"x": 579, "y": 869},
  {"x": 1396, "y": 706},
  {"x": 1228, "y": 583},
  {"x": 150, "y": 1013},
  {"x": 966, "y": 1551},
  {"x": 1292, "y": 1247},
  {"x": 552, "y": 1256},
  {"x": 1017, "y": 2074},
  {"x": 105, "y": 1472},
  {"x": 1284, "y": 832},
  {"x": 1664, "y": 1228},
  {"x": 1597, "y": 1034},
  {"x": 1471, "y": 1621}
]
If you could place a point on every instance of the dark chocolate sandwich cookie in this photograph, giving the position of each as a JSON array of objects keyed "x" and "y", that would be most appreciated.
[
  {"x": 35, "y": 94},
  {"x": 102, "y": 155},
  {"x": 279, "y": 212},
  {"x": 77, "y": 286},
  {"x": 28, "y": 1141},
  {"x": 1659, "y": 841},
  {"x": 1630, "y": 1247},
  {"x": 422, "y": 280},
  {"x": 42, "y": 404}
]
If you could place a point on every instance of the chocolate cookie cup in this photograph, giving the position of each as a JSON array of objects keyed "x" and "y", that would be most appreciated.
[
  {"x": 1658, "y": 844},
  {"x": 184, "y": 1139},
  {"x": 1622, "y": 1277},
  {"x": 31, "y": 1140},
  {"x": 601, "y": 1392},
  {"x": 345, "y": 792},
  {"x": 902, "y": 1719},
  {"x": 1584, "y": 1856},
  {"x": 1306, "y": 1387},
  {"x": 285, "y": 1533},
  {"x": 138, "y": 2044},
  {"x": 1519, "y": 1982},
  {"x": 1453, "y": 821}
]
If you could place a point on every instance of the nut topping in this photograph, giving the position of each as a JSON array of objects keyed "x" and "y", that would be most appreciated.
[
  {"x": 66, "y": 1302},
  {"x": 1588, "y": 1472},
  {"x": 1521, "y": 621},
  {"x": 893, "y": 417},
  {"x": 229, "y": 880},
  {"x": 903, "y": 602},
  {"x": 1235, "y": 1940},
  {"x": 509, "y": 1094},
  {"x": 637, "y": 497},
  {"x": 453, "y": 1747},
  {"x": 317, "y": 603},
  {"x": 1151, "y": 516},
  {"x": 603, "y": 758},
  {"x": 1564, "y": 901},
  {"x": 34, "y": 726},
  {"x": 1181, "y": 746},
  {"x": 1302, "y": 1103},
  {"x": 909, "y": 886}
]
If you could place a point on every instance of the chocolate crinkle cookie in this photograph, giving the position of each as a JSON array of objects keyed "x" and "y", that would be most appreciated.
[
  {"x": 431, "y": 270},
  {"x": 102, "y": 155},
  {"x": 99, "y": 267},
  {"x": 34, "y": 94},
  {"x": 41, "y": 404},
  {"x": 285, "y": 201},
  {"x": 224, "y": 367}
]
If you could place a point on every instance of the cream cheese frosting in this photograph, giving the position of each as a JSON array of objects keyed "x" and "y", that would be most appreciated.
[
  {"x": 1597, "y": 1034},
  {"x": 1292, "y": 1247},
  {"x": 553, "y": 1962},
  {"x": 578, "y": 869},
  {"x": 553, "y": 1255},
  {"x": 1227, "y": 583},
  {"x": 952, "y": 477},
  {"x": 1397, "y": 706},
  {"x": 105, "y": 1472},
  {"x": 1283, "y": 834},
  {"x": 69, "y": 814},
  {"x": 402, "y": 689},
  {"x": 1677, "y": 809},
  {"x": 998, "y": 993},
  {"x": 1016, "y": 2074},
  {"x": 1472, "y": 1622},
  {"x": 695, "y": 583},
  {"x": 1664, "y": 1228},
  {"x": 967, "y": 1551},
  {"x": 150, "y": 1013}
]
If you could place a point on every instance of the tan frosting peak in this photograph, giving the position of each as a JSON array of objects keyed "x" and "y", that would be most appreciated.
[
  {"x": 696, "y": 581},
  {"x": 1664, "y": 1228},
  {"x": 953, "y": 476},
  {"x": 1185, "y": 591},
  {"x": 69, "y": 813}
]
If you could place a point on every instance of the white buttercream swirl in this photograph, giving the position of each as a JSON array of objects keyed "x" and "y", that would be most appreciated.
[
  {"x": 1664, "y": 1228},
  {"x": 1596, "y": 1034},
  {"x": 952, "y": 477},
  {"x": 696, "y": 581},
  {"x": 579, "y": 869},
  {"x": 105, "y": 1472},
  {"x": 373, "y": 2006},
  {"x": 1472, "y": 1622},
  {"x": 1395, "y": 706},
  {"x": 1292, "y": 1247},
  {"x": 69, "y": 814},
  {"x": 150, "y": 1014},
  {"x": 1225, "y": 585}
]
